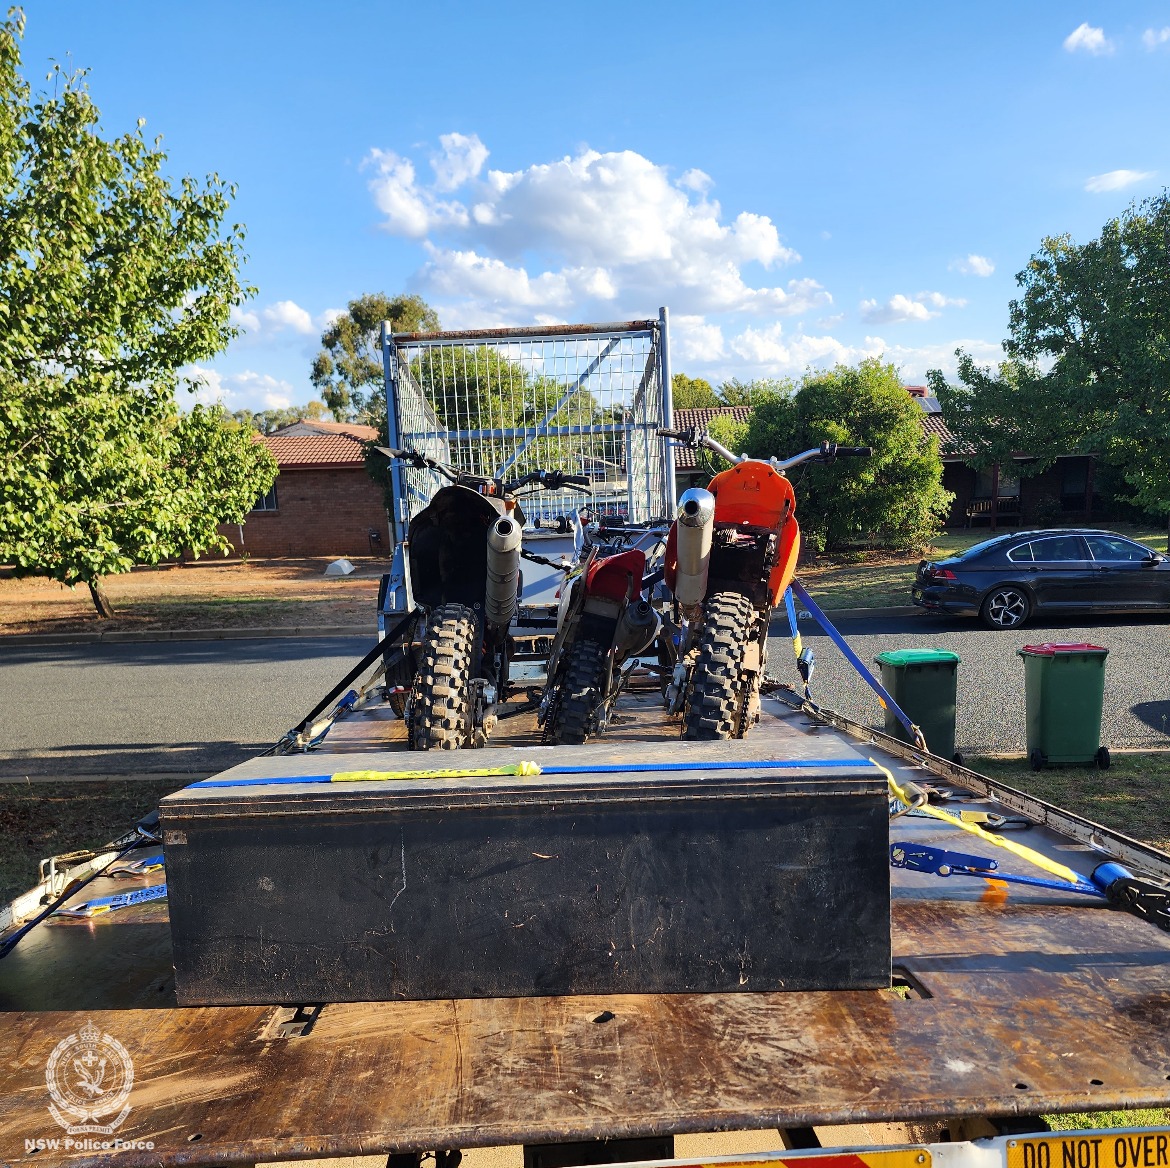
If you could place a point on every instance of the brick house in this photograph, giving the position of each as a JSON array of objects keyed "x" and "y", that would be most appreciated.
[
  {"x": 687, "y": 472},
  {"x": 1000, "y": 495},
  {"x": 323, "y": 503}
]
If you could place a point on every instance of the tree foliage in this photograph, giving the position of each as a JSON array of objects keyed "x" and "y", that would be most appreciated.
[
  {"x": 734, "y": 392},
  {"x": 347, "y": 371},
  {"x": 1088, "y": 367},
  {"x": 266, "y": 421},
  {"x": 113, "y": 279},
  {"x": 896, "y": 496},
  {"x": 692, "y": 393}
]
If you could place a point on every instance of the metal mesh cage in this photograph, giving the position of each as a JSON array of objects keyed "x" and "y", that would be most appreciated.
[{"x": 584, "y": 399}]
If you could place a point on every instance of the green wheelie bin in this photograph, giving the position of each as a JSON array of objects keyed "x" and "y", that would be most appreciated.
[
  {"x": 923, "y": 683},
  {"x": 1064, "y": 684}
]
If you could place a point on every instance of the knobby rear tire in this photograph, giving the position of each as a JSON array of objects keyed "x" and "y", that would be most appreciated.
[
  {"x": 441, "y": 716},
  {"x": 575, "y": 718},
  {"x": 715, "y": 697}
]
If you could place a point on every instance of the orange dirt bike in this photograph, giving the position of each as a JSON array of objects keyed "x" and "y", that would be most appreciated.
[{"x": 730, "y": 556}]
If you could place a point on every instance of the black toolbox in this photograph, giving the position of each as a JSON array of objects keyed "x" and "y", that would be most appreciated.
[{"x": 757, "y": 877}]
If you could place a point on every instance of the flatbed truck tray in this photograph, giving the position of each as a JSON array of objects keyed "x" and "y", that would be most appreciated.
[{"x": 1006, "y": 1004}]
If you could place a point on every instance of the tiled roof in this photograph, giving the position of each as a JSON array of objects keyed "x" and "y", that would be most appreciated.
[
  {"x": 292, "y": 451},
  {"x": 684, "y": 457},
  {"x": 310, "y": 426}
]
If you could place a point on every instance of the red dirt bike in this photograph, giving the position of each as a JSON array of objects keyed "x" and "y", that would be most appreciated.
[
  {"x": 605, "y": 621},
  {"x": 731, "y": 555}
]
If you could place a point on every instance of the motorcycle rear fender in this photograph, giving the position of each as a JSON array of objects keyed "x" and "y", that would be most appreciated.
[{"x": 616, "y": 578}]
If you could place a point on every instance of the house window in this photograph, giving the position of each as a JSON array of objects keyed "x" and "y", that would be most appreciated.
[
  {"x": 266, "y": 502},
  {"x": 1009, "y": 487}
]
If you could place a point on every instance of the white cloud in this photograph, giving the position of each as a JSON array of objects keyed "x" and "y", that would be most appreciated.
[
  {"x": 1152, "y": 38},
  {"x": 973, "y": 265},
  {"x": 1086, "y": 39},
  {"x": 696, "y": 180},
  {"x": 767, "y": 349},
  {"x": 248, "y": 321},
  {"x": 288, "y": 314},
  {"x": 237, "y": 390},
  {"x": 462, "y": 159},
  {"x": 1116, "y": 180},
  {"x": 694, "y": 339},
  {"x": 900, "y": 308},
  {"x": 409, "y": 210},
  {"x": 611, "y": 228}
]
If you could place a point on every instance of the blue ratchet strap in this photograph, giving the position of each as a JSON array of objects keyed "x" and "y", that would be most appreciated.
[
  {"x": 884, "y": 698},
  {"x": 105, "y": 904},
  {"x": 940, "y": 862},
  {"x": 794, "y": 628}
]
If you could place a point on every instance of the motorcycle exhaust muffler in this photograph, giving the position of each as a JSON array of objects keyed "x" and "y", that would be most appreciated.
[
  {"x": 696, "y": 521},
  {"x": 503, "y": 571},
  {"x": 637, "y": 628}
]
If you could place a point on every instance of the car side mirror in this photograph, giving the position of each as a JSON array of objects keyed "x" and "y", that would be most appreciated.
[{"x": 1155, "y": 558}]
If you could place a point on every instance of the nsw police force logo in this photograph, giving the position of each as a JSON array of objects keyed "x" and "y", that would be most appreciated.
[{"x": 89, "y": 1076}]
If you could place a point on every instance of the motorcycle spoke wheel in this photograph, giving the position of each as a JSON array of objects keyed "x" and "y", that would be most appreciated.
[
  {"x": 715, "y": 700},
  {"x": 574, "y": 720},
  {"x": 441, "y": 708}
]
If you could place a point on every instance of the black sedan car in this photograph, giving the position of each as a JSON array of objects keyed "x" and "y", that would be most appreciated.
[{"x": 1008, "y": 579}]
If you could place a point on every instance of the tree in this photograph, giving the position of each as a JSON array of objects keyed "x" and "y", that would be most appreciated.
[
  {"x": 114, "y": 278},
  {"x": 692, "y": 393},
  {"x": 895, "y": 496},
  {"x": 347, "y": 372},
  {"x": 734, "y": 392},
  {"x": 1088, "y": 369},
  {"x": 266, "y": 421}
]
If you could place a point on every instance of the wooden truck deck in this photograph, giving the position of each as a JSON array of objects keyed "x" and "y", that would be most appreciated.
[{"x": 1008, "y": 1001}]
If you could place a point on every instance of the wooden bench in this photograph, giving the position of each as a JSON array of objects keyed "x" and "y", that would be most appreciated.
[{"x": 1008, "y": 508}]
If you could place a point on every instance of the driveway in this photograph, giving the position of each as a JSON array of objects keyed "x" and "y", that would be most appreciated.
[{"x": 990, "y": 714}]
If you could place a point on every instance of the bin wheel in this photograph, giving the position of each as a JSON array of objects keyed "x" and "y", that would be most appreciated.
[
  {"x": 1102, "y": 758},
  {"x": 1037, "y": 759},
  {"x": 957, "y": 758}
]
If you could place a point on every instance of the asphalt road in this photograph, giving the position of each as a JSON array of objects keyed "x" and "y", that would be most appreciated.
[
  {"x": 990, "y": 708},
  {"x": 170, "y": 707},
  {"x": 197, "y": 707}
]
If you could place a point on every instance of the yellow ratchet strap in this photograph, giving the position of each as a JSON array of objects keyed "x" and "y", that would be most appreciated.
[
  {"x": 1016, "y": 849},
  {"x": 519, "y": 768}
]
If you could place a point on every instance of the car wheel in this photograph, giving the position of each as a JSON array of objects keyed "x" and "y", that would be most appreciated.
[{"x": 1006, "y": 607}]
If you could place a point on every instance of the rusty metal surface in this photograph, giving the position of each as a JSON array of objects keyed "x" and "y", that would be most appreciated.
[{"x": 1037, "y": 1001}]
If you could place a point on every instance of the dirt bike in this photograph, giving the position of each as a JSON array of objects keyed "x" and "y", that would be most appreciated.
[
  {"x": 730, "y": 556},
  {"x": 605, "y": 620},
  {"x": 461, "y": 561}
]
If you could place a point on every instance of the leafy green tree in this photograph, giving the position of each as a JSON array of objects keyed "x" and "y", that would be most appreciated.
[
  {"x": 113, "y": 279},
  {"x": 347, "y": 371},
  {"x": 692, "y": 393},
  {"x": 1088, "y": 367},
  {"x": 734, "y": 392},
  {"x": 895, "y": 496}
]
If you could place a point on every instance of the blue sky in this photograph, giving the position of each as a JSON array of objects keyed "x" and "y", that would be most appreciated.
[{"x": 800, "y": 183}]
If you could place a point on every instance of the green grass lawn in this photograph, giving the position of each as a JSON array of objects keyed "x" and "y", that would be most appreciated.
[
  {"x": 883, "y": 579},
  {"x": 1132, "y": 796}
]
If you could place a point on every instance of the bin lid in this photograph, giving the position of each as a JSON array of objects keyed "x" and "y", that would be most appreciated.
[
  {"x": 898, "y": 657},
  {"x": 1051, "y": 648}
]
